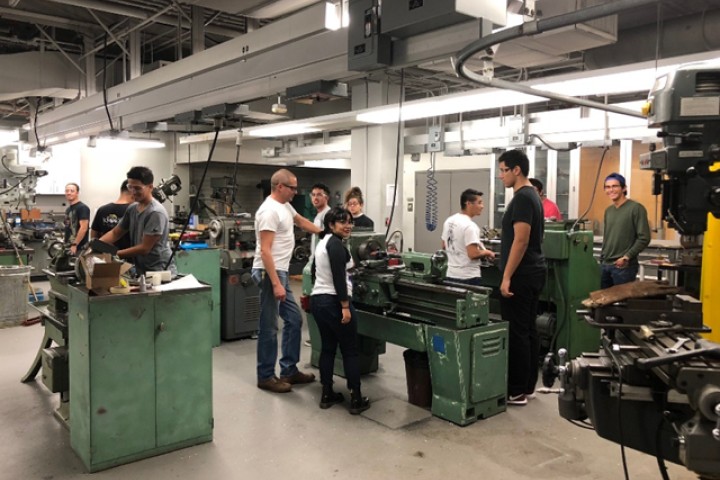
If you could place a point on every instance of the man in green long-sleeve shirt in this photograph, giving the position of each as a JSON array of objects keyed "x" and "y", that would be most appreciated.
[{"x": 626, "y": 234}]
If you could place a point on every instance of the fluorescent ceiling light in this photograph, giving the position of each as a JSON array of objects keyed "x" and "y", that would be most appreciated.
[
  {"x": 487, "y": 98},
  {"x": 281, "y": 130},
  {"x": 125, "y": 141},
  {"x": 336, "y": 16},
  {"x": 614, "y": 83},
  {"x": 132, "y": 143}
]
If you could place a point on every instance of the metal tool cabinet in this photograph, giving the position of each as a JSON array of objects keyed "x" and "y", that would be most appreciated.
[{"x": 140, "y": 374}]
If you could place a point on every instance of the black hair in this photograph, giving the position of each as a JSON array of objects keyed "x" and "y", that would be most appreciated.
[
  {"x": 322, "y": 187},
  {"x": 336, "y": 214},
  {"x": 123, "y": 187},
  {"x": 537, "y": 184},
  {"x": 143, "y": 174},
  {"x": 469, "y": 195},
  {"x": 516, "y": 158},
  {"x": 77, "y": 187}
]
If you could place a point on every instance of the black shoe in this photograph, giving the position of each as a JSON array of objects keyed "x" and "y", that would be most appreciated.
[
  {"x": 329, "y": 399},
  {"x": 358, "y": 403}
]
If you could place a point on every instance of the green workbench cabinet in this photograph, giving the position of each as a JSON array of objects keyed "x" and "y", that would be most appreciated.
[
  {"x": 140, "y": 374},
  {"x": 204, "y": 264}
]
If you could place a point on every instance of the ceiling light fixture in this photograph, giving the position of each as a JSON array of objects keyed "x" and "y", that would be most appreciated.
[
  {"x": 610, "y": 82},
  {"x": 124, "y": 140},
  {"x": 279, "y": 108},
  {"x": 281, "y": 130}
]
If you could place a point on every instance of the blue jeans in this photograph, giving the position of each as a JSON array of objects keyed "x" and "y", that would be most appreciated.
[
  {"x": 612, "y": 275},
  {"x": 475, "y": 281},
  {"x": 267, "y": 343}
]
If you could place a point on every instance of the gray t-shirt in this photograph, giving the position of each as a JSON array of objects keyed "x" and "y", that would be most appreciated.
[{"x": 151, "y": 221}]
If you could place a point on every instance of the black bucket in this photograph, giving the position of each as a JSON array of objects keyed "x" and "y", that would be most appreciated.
[{"x": 417, "y": 373}]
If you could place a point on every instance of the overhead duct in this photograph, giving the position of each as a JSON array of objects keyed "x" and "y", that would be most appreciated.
[
  {"x": 317, "y": 91},
  {"x": 548, "y": 47},
  {"x": 37, "y": 74},
  {"x": 679, "y": 36},
  {"x": 255, "y": 65}
]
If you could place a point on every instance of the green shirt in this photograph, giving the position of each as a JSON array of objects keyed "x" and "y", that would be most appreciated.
[{"x": 626, "y": 232}]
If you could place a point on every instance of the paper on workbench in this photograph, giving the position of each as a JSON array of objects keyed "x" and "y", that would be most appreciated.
[{"x": 184, "y": 283}]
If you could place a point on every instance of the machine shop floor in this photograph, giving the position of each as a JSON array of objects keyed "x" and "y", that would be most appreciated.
[{"x": 260, "y": 435}]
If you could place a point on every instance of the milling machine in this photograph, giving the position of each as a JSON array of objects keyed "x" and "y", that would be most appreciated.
[
  {"x": 401, "y": 299},
  {"x": 239, "y": 295},
  {"x": 17, "y": 189},
  {"x": 655, "y": 383}
]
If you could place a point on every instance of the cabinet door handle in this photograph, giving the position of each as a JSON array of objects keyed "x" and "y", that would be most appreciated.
[{"x": 161, "y": 327}]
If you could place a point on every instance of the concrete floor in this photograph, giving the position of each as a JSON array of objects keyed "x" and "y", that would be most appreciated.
[{"x": 260, "y": 435}]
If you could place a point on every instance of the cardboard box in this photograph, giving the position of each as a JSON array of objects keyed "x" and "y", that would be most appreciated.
[{"x": 99, "y": 277}]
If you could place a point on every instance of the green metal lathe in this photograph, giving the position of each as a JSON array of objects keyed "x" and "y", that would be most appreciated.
[
  {"x": 402, "y": 300},
  {"x": 573, "y": 273}
]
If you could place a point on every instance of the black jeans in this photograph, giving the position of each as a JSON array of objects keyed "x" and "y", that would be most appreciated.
[
  {"x": 520, "y": 311},
  {"x": 327, "y": 312}
]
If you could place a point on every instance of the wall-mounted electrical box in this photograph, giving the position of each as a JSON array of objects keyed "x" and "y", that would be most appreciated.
[{"x": 368, "y": 48}]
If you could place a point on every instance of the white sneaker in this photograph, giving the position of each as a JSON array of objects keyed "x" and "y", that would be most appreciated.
[{"x": 518, "y": 400}]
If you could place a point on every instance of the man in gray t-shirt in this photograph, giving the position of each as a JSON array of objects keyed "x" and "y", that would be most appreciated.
[{"x": 148, "y": 225}]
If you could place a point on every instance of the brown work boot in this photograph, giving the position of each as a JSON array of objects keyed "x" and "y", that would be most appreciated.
[
  {"x": 298, "y": 377},
  {"x": 274, "y": 384}
]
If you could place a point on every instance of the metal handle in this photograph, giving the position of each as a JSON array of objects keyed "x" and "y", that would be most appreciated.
[{"x": 161, "y": 327}]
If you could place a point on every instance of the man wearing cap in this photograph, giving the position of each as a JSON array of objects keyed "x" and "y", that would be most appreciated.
[{"x": 626, "y": 234}]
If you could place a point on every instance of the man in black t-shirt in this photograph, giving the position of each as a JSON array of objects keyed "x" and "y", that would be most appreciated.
[
  {"x": 109, "y": 215},
  {"x": 523, "y": 267},
  {"x": 77, "y": 219}
]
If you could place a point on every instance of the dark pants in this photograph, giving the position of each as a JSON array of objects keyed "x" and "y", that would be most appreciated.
[
  {"x": 327, "y": 312},
  {"x": 520, "y": 311},
  {"x": 612, "y": 275}
]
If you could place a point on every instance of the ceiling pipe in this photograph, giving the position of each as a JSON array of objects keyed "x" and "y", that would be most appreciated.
[
  {"x": 486, "y": 43},
  {"x": 143, "y": 15}
]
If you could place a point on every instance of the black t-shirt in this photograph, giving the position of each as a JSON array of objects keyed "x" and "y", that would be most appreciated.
[
  {"x": 364, "y": 221},
  {"x": 73, "y": 215},
  {"x": 525, "y": 207},
  {"x": 107, "y": 218}
]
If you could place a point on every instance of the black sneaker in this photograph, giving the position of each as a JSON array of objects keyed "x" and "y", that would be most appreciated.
[
  {"x": 329, "y": 399},
  {"x": 359, "y": 405}
]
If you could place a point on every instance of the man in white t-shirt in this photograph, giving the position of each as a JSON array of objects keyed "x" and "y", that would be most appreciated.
[
  {"x": 461, "y": 241},
  {"x": 275, "y": 239},
  {"x": 319, "y": 195}
]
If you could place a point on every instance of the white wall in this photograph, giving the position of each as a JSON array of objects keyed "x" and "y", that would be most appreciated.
[{"x": 102, "y": 170}]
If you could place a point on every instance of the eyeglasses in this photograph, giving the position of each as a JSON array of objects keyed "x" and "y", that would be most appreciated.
[
  {"x": 612, "y": 187},
  {"x": 291, "y": 187}
]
